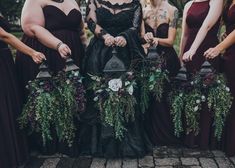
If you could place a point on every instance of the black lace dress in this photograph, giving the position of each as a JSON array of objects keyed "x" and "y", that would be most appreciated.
[{"x": 97, "y": 139}]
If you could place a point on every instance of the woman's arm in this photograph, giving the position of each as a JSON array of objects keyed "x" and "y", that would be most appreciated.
[
  {"x": 33, "y": 25},
  {"x": 184, "y": 35},
  {"x": 169, "y": 41},
  {"x": 16, "y": 43},
  {"x": 94, "y": 27},
  {"x": 226, "y": 43},
  {"x": 212, "y": 17}
]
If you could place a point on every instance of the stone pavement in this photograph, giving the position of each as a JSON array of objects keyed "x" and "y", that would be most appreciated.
[{"x": 162, "y": 157}]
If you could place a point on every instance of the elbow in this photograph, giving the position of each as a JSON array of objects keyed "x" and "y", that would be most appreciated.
[
  {"x": 29, "y": 30},
  {"x": 171, "y": 43},
  {"x": 4, "y": 35}
]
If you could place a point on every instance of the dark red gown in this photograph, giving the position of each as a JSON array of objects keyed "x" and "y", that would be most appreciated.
[
  {"x": 194, "y": 20},
  {"x": 159, "y": 127},
  {"x": 67, "y": 28},
  {"x": 13, "y": 151},
  {"x": 229, "y": 70}
]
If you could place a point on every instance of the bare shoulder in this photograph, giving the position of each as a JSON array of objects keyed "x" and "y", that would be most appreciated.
[{"x": 187, "y": 5}]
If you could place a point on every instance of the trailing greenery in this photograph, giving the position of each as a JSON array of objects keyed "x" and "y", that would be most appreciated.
[
  {"x": 38, "y": 112},
  {"x": 193, "y": 107},
  {"x": 219, "y": 102},
  {"x": 153, "y": 79},
  {"x": 202, "y": 90},
  {"x": 71, "y": 96},
  {"x": 54, "y": 105},
  {"x": 116, "y": 101},
  {"x": 177, "y": 108}
]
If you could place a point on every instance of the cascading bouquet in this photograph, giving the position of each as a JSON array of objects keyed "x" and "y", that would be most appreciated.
[
  {"x": 115, "y": 99},
  {"x": 219, "y": 99},
  {"x": 71, "y": 101},
  {"x": 54, "y": 103},
  {"x": 186, "y": 101},
  {"x": 38, "y": 112},
  {"x": 205, "y": 88},
  {"x": 153, "y": 77}
]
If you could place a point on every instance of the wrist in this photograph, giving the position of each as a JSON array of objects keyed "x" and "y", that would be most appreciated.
[
  {"x": 58, "y": 45},
  {"x": 31, "y": 52},
  {"x": 220, "y": 48}
]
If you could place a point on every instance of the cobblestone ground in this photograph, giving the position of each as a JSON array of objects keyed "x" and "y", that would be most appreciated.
[{"x": 162, "y": 157}]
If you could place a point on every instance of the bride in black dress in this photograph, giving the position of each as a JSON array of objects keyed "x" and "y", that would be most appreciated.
[
  {"x": 113, "y": 23},
  {"x": 13, "y": 148}
]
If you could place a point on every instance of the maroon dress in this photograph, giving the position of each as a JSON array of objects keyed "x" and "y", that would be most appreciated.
[
  {"x": 13, "y": 151},
  {"x": 194, "y": 20},
  {"x": 159, "y": 126},
  {"x": 229, "y": 70},
  {"x": 67, "y": 28}
]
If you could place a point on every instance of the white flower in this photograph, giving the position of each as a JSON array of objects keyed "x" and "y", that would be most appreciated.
[
  {"x": 115, "y": 84},
  {"x": 198, "y": 101},
  {"x": 130, "y": 90},
  {"x": 96, "y": 99},
  {"x": 130, "y": 73},
  {"x": 181, "y": 95},
  {"x": 192, "y": 83},
  {"x": 76, "y": 73},
  {"x": 68, "y": 81},
  {"x": 159, "y": 70},
  {"x": 227, "y": 89},
  {"x": 196, "y": 109},
  {"x": 203, "y": 98},
  {"x": 127, "y": 83},
  {"x": 218, "y": 81}
]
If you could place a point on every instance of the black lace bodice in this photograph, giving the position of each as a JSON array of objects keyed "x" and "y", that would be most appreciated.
[{"x": 104, "y": 17}]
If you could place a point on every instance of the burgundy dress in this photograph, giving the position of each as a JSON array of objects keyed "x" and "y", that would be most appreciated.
[
  {"x": 13, "y": 151},
  {"x": 194, "y": 20},
  {"x": 67, "y": 28},
  {"x": 229, "y": 69},
  {"x": 160, "y": 128}
]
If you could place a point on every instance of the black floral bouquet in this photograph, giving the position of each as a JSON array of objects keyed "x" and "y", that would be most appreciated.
[
  {"x": 188, "y": 96},
  {"x": 71, "y": 96},
  {"x": 115, "y": 99},
  {"x": 153, "y": 77},
  {"x": 54, "y": 103},
  {"x": 38, "y": 112}
]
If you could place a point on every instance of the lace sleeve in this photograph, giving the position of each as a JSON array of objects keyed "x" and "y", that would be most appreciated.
[
  {"x": 137, "y": 19},
  {"x": 92, "y": 20}
]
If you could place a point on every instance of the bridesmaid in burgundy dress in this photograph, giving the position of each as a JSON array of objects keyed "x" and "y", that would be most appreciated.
[
  {"x": 228, "y": 44},
  {"x": 13, "y": 149},
  {"x": 54, "y": 27},
  {"x": 160, "y": 20},
  {"x": 201, "y": 21}
]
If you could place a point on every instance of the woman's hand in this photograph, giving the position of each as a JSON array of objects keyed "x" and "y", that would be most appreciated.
[
  {"x": 148, "y": 37},
  {"x": 64, "y": 50},
  {"x": 188, "y": 56},
  {"x": 155, "y": 41},
  {"x": 120, "y": 41},
  {"x": 109, "y": 40},
  {"x": 38, "y": 57},
  {"x": 212, "y": 52}
]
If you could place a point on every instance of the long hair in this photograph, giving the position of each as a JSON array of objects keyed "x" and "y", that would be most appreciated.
[{"x": 227, "y": 5}]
